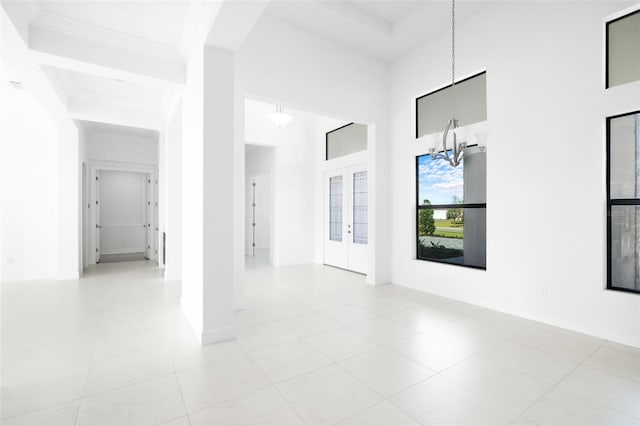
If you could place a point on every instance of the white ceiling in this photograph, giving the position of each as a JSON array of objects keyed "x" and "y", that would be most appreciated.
[
  {"x": 153, "y": 26},
  {"x": 77, "y": 84},
  {"x": 112, "y": 129},
  {"x": 384, "y": 29},
  {"x": 123, "y": 62},
  {"x": 388, "y": 11}
]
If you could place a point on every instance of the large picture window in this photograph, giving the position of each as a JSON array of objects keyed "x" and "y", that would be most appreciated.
[
  {"x": 623, "y": 202},
  {"x": 451, "y": 209}
]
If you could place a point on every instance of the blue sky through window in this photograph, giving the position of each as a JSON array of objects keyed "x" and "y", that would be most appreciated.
[{"x": 438, "y": 182}]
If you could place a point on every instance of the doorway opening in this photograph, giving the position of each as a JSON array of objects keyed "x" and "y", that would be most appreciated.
[
  {"x": 124, "y": 216},
  {"x": 288, "y": 169},
  {"x": 258, "y": 203}
]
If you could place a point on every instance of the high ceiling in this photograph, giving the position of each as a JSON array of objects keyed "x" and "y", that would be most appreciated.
[
  {"x": 123, "y": 62},
  {"x": 160, "y": 22},
  {"x": 384, "y": 29}
]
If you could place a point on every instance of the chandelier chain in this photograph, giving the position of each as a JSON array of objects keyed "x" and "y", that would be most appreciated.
[{"x": 453, "y": 53}]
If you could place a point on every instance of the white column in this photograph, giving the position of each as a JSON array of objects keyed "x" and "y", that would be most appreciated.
[{"x": 209, "y": 175}]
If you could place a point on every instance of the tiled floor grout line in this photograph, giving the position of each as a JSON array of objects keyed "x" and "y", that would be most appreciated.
[
  {"x": 555, "y": 385},
  {"x": 184, "y": 403},
  {"x": 360, "y": 411},
  {"x": 440, "y": 374},
  {"x": 148, "y": 379},
  {"x": 41, "y": 409},
  {"x": 84, "y": 386},
  {"x": 404, "y": 412},
  {"x": 612, "y": 372},
  {"x": 270, "y": 384},
  {"x": 215, "y": 404},
  {"x": 289, "y": 404}
]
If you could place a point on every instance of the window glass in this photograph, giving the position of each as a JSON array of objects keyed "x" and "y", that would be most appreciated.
[
  {"x": 625, "y": 156},
  {"x": 346, "y": 140},
  {"x": 434, "y": 109},
  {"x": 451, "y": 212},
  {"x": 360, "y": 207},
  {"x": 335, "y": 208},
  {"x": 625, "y": 247},
  {"x": 623, "y": 51},
  {"x": 623, "y": 202}
]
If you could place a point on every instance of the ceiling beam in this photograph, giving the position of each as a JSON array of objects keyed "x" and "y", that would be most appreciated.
[
  {"x": 93, "y": 110},
  {"x": 69, "y": 52},
  {"x": 233, "y": 22}
]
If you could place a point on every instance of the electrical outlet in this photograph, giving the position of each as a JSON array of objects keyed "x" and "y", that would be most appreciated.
[
  {"x": 9, "y": 260},
  {"x": 543, "y": 290}
]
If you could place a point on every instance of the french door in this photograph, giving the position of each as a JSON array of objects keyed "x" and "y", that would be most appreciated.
[{"x": 346, "y": 219}]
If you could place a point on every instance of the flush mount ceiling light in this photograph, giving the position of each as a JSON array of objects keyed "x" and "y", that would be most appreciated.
[
  {"x": 279, "y": 117},
  {"x": 452, "y": 127}
]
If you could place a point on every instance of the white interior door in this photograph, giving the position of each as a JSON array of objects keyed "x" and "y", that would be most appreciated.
[
  {"x": 346, "y": 219},
  {"x": 98, "y": 223},
  {"x": 148, "y": 218}
]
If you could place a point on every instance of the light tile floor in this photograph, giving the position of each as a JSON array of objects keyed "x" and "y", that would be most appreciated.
[{"x": 315, "y": 345}]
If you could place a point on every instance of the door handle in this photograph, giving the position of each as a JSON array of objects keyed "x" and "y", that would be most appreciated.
[{"x": 98, "y": 226}]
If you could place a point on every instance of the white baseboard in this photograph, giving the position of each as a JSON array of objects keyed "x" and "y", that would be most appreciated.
[
  {"x": 218, "y": 335},
  {"x": 123, "y": 251}
]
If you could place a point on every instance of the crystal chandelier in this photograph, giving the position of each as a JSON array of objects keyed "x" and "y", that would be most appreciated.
[{"x": 458, "y": 148}]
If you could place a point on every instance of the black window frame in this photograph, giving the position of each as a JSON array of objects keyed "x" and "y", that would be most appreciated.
[
  {"x": 436, "y": 207},
  {"x": 326, "y": 139},
  {"x": 606, "y": 47},
  {"x": 615, "y": 202}
]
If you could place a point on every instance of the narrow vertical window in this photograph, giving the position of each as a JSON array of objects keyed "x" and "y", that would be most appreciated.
[
  {"x": 360, "y": 206},
  {"x": 623, "y": 202},
  {"x": 335, "y": 208}
]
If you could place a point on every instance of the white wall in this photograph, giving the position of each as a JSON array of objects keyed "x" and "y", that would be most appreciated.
[
  {"x": 122, "y": 148},
  {"x": 293, "y": 173},
  {"x": 123, "y": 212},
  {"x": 17, "y": 61},
  {"x": 173, "y": 204},
  {"x": 293, "y": 193},
  {"x": 84, "y": 197},
  {"x": 546, "y": 109},
  {"x": 28, "y": 194},
  {"x": 278, "y": 62}
]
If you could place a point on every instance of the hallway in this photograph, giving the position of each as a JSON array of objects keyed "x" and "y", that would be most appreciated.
[{"x": 315, "y": 345}]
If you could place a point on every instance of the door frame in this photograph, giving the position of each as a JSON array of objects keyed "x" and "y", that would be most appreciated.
[{"x": 148, "y": 170}]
